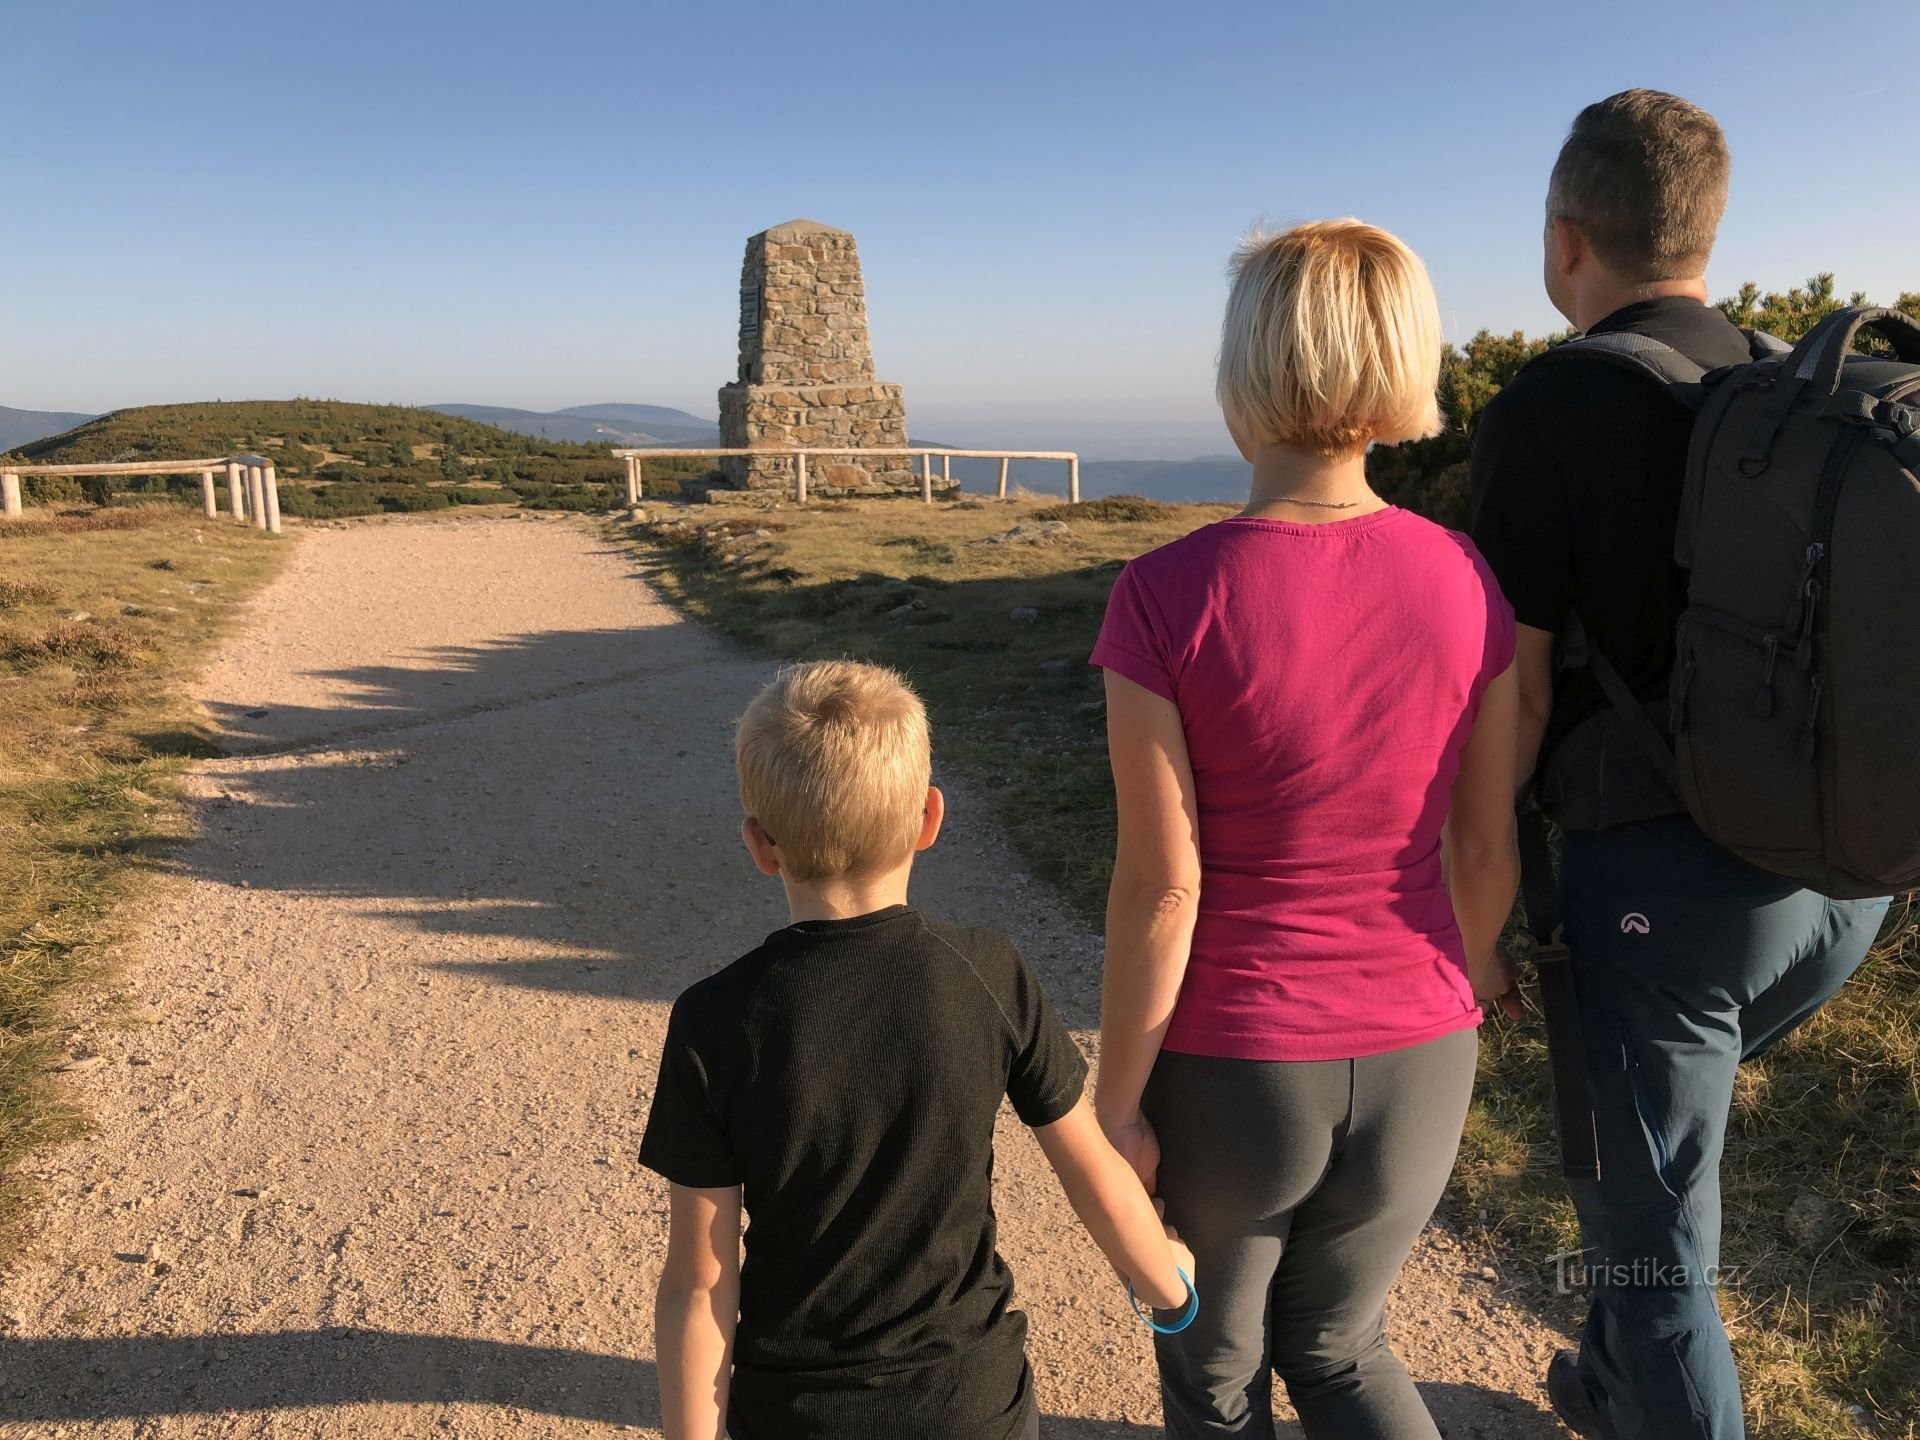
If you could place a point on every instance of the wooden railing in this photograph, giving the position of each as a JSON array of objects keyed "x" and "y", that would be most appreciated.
[
  {"x": 636, "y": 482},
  {"x": 253, "y": 491}
]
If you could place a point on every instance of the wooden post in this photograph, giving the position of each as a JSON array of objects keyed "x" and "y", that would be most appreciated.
[
  {"x": 1004, "y": 462},
  {"x": 236, "y": 493},
  {"x": 272, "y": 486},
  {"x": 926, "y": 481},
  {"x": 208, "y": 503},
  {"x": 800, "y": 476},
  {"x": 1073, "y": 481},
  {"x": 946, "y": 469},
  {"x": 633, "y": 483},
  {"x": 10, "y": 495},
  {"x": 256, "y": 497}
]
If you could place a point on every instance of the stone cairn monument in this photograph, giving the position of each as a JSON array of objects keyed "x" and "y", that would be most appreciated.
[{"x": 806, "y": 368}]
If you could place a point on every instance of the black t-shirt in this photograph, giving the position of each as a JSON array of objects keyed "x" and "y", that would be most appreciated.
[
  {"x": 847, "y": 1074},
  {"x": 1575, "y": 490}
]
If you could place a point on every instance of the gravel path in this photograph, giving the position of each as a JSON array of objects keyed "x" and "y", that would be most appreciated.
[{"x": 368, "y": 1097}]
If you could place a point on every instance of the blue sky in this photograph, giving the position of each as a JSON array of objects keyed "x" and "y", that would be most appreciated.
[{"x": 544, "y": 205}]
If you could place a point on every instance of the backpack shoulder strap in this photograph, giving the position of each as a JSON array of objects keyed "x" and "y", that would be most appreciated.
[
  {"x": 1762, "y": 346},
  {"x": 1579, "y": 652},
  {"x": 1644, "y": 356}
]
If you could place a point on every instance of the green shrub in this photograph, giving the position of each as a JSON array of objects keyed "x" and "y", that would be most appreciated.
[
  {"x": 410, "y": 500},
  {"x": 51, "y": 489}
]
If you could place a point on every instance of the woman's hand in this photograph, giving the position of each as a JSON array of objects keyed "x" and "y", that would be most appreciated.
[
  {"x": 1137, "y": 1144},
  {"x": 1496, "y": 983}
]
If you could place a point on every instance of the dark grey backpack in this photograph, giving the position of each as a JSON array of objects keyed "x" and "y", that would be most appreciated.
[{"x": 1795, "y": 703}]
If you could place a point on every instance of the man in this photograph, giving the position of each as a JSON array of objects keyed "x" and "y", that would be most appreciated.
[{"x": 1687, "y": 960}]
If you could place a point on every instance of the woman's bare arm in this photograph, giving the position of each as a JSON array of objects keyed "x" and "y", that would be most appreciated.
[
  {"x": 1151, "y": 907},
  {"x": 1481, "y": 850}
]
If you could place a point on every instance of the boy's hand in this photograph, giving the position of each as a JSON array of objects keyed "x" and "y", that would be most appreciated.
[{"x": 1182, "y": 1256}]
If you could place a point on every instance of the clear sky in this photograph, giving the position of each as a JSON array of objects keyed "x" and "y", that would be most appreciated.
[{"x": 544, "y": 204}]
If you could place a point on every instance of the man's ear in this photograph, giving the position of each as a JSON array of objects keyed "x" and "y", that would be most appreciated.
[
  {"x": 1570, "y": 245},
  {"x": 936, "y": 812},
  {"x": 766, "y": 856}
]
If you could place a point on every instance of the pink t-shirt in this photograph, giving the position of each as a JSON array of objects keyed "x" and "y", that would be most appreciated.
[{"x": 1327, "y": 678}]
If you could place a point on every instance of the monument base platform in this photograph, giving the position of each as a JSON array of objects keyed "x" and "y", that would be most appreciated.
[{"x": 861, "y": 415}]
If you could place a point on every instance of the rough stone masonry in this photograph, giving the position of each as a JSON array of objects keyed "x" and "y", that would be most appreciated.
[{"x": 806, "y": 367}]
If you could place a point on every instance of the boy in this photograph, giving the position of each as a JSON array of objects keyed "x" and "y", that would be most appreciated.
[{"x": 846, "y": 1075}]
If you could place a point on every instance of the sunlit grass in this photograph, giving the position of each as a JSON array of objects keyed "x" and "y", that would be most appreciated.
[{"x": 102, "y": 615}]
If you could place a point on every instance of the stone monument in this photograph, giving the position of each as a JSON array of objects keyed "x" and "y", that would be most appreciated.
[{"x": 806, "y": 368}]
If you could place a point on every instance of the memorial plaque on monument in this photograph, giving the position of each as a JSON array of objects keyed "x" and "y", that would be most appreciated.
[{"x": 806, "y": 368}]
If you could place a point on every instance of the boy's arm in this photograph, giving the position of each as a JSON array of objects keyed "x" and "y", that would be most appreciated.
[
  {"x": 695, "y": 1311},
  {"x": 1108, "y": 1198}
]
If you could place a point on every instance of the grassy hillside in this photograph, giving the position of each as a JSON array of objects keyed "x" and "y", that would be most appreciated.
[
  {"x": 335, "y": 458},
  {"x": 1822, "y": 1205}
]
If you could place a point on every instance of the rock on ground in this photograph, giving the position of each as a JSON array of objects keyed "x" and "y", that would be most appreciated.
[{"x": 364, "y": 1157}]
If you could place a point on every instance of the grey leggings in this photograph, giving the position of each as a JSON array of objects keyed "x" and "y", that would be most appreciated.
[{"x": 1301, "y": 1186}]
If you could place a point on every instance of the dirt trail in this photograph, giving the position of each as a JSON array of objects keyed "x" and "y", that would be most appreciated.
[{"x": 364, "y": 1163}]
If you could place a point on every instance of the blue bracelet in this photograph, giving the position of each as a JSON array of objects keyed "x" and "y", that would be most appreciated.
[{"x": 1187, "y": 1311}]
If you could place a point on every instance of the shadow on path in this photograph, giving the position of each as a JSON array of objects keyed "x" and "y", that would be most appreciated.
[
  {"x": 83, "y": 1379},
  {"x": 212, "y": 1374}
]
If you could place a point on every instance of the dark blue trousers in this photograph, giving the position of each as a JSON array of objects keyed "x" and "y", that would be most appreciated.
[{"x": 1688, "y": 961}]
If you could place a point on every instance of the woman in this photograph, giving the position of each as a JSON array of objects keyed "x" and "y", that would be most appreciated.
[{"x": 1312, "y": 718}]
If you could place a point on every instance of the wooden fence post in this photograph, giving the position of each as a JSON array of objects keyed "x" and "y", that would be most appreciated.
[
  {"x": 208, "y": 503},
  {"x": 271, "y": 485},
  {"x": 1004, "y": 462},
  {"x": 10, "y": 495},
  {"x": 946, "y": 469},
  {"x": 800, "y": 477},
  {"x": 1073, "y": 481},
  {"x": 926, "y": 481},
  {"x": 256, "y": 497},
  {"x": 633, "y": 482},
  {"x": 236, "y": 493}
]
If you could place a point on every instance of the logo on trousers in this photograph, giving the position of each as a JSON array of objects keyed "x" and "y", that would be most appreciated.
[{"x": 1634, "y": 923}]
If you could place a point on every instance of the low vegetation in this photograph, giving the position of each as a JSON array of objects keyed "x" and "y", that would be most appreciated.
[
  {"x": 101, "y": 615},
  {"x": 1431, "y": 475},
  {"x": 992, "y": 609},
  {"x": 336, "y": 459}
]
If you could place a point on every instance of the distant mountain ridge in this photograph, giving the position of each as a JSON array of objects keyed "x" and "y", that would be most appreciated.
[
  {"x": 614, "y": 424},
  {"x": 23, "y": 427}
]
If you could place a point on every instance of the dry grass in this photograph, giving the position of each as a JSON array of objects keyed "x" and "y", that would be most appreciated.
[
  {"x": 107, "y": 611},
  {"x": 40, "y": 524},
  {"x": 1822, "y": 1190}
]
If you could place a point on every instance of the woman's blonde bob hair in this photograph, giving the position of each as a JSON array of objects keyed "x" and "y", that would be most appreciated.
[{"x": 1332, "y": 340}]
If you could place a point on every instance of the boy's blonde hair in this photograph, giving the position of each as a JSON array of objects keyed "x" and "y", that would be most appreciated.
[
  {"x": 834, "y": 763},
  {"x": 1332, "y": 339}
]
